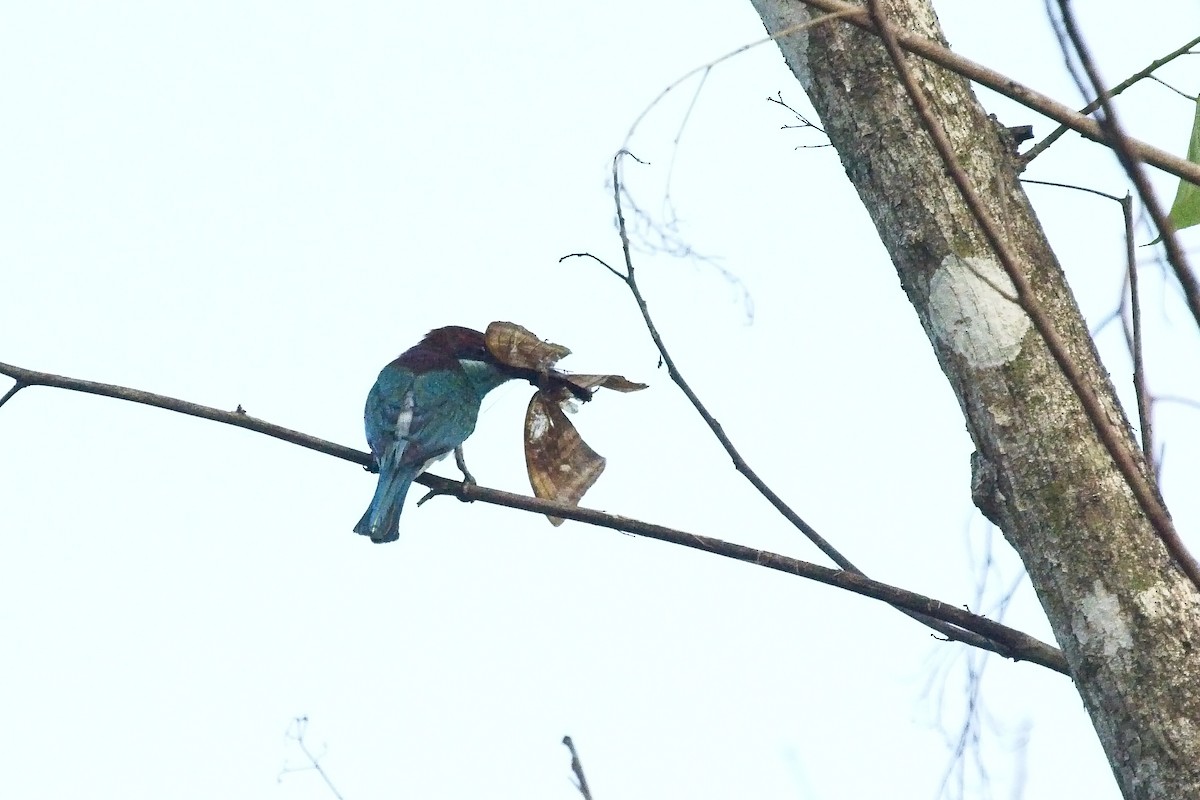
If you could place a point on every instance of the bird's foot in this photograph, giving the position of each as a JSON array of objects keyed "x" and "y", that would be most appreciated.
[{"x": 468, "y": 478}]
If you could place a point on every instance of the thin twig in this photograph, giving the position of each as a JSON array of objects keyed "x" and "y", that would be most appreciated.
[
  {"x": 296, "y": 733},
  {"x": 16, "y": 387},
  {"x": 998, "y": 82},
  {"x": 1141, "y": 74},
  {"x": 1077, "y": 188},
  {"x": 1177, "y": 399},
  {"x": 1112, "y": 437},
  {"x": 1001, "y": 639},
  {"x": 1179, "y": 92},
  {"x": 1136, "y": 349},
  {"x": 804, "y": 121},
  {"x": 739, "y": 463},
  {"x": 667, "y": 238},
  {"x": 1120, "y": 144},
  {"x": 969, "y": 739},
  {"x": 577, "y": 767},
  {"x": 706, "y": 68}
]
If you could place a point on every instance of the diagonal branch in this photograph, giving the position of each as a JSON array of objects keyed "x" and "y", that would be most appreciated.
[
  {"x": 992, "y": 635},
  {"x": 577, "y": 767},
  {"x": 1110, "y": 435}
]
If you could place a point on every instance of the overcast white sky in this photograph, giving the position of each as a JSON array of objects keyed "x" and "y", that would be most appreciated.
[{"x": 262, "y": 203}]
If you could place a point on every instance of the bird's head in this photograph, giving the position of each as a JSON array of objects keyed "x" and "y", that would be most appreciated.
[
  {"x": 459, "y": 342},
  {"x": 455, "y": 347},
  {"x": 446, "y": 348}
]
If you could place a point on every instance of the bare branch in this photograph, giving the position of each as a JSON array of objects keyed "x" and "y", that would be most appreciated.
[
  {"x": 1145, "y": 410},
  {"x": 577, "y": 767},
  {"x": 1177, "y": 91},
  {"x": 1145, "y": 72},
  {"x": 805, "y": 122},
  {"x": 1087, "y": 189},
  {"x": 740, "y": 464}
]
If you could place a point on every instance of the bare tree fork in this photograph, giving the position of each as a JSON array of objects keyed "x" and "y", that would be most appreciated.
[
  {"x": 1120, "y": 144},
  {"x": 991, "y": 636},
  {"x": 577, "y": 768},
  {"x": 296, "y": 732},
  {"x": 1124, "y": 611},
  {"x": 936, "y": 51},
  {"x": 629, "y": 278},
  {"x": 1142, "y": 74},
  {"x": 805, "y": 123}
]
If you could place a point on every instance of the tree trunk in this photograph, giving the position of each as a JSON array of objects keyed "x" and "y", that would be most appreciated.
[{"x": 1127, "y": 618}]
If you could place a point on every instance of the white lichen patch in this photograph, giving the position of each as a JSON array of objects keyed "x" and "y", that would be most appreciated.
[
  {"x": 983, "y": 325},
  {"x": 1153, "y": 601},
  {"x": 1100, "y": 625}
]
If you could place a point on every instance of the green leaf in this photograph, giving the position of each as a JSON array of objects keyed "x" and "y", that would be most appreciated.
[{"x": 1185, "y": 211}]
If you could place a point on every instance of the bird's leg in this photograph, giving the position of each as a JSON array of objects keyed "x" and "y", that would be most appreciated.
[{"x": 462, "y": 466}]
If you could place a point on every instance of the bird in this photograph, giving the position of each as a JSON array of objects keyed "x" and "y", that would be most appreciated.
[{"x": 422, "y": 407}]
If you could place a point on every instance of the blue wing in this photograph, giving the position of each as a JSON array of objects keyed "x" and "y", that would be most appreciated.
[{"x": 411, "y": 421}]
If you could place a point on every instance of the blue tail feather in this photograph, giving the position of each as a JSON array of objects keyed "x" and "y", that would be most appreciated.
[{"x": 382, "y": 520}]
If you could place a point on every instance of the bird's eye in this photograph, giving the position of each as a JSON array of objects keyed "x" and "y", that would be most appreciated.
[{"x": 475, "y": 354}]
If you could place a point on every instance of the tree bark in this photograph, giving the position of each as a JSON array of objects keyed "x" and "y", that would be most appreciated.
[{"x": 1125, "y": 615}]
